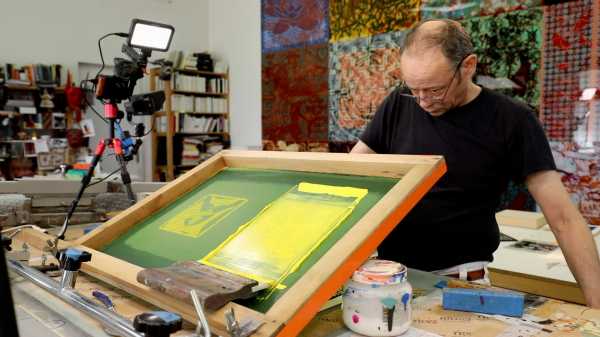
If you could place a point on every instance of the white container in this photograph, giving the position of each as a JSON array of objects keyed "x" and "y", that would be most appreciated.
[{"x": 376, "y": 301}]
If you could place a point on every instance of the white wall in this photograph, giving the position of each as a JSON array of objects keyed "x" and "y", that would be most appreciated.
[
  {"x": 235, "y": 37},
  {"x": 67, "y": 31}
]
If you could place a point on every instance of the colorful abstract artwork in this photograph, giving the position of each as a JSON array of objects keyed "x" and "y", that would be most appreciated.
[
  {"x": 294, "y": 86},
  {"x": 459, "y": 9},
  {"x": 293, "y": 23},
  {"x": 454, "y": 9},
  {"x": 567, "y": 47},
  {"x": 581, "y": 176},
  {"x": 495, "y": 7},
  {"x": 361, "y": 74},
  {"x": 351, "y": 19},
  {"x": 508, "y": 58}
]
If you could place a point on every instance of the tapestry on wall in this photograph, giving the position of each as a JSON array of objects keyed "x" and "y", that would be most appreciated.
[
  {"x": 508, "y": 58},
  {"x": 319, "y": 96},
  {"x": 454, "y": 9},
  {"x": 570, "y": 119},
  {"x": 351, "y": 19},
  {"x": 459, "y": 9},
  {"x": 294, "y": 96},
  {"x": 293, "y": 23},
  {"x": 362, "y": 72},
  {"x": 567, "y": 47},
  {"x": 494, "y": 7}
]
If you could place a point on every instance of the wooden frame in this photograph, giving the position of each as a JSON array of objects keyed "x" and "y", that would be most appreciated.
[
  {"x": 531, "y": 284},
  {"x": 302, "y": 301}
]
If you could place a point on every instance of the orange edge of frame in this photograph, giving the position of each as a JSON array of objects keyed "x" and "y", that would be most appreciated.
[{"x": 312, "y": 306}]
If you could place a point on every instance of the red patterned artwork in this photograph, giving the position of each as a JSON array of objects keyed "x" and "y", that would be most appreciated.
[
  {"x": 567, "y": 48},
  {"x": 294, "y": 86}
]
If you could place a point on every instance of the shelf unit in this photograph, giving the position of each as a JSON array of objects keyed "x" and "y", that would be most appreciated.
[
  {"x": 17, "y": 134},
  {"x": 167, "y": 142}
]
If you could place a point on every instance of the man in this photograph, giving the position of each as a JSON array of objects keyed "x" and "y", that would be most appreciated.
[{"x": 486, "y": 139}]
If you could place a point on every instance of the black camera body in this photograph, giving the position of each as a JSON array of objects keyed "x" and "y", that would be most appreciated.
[
  {"x": 112, "y": 88},
  {"x": 145, "y": 104},
  {"x": 119, "y": 87}
]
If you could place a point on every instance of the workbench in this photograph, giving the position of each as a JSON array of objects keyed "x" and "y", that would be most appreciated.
[{"x": 41, "y": 314}]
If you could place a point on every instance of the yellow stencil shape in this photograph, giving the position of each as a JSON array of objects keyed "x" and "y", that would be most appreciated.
[
  {"x": 202, "y": 214},
  {"x": 275, "y": 242}
]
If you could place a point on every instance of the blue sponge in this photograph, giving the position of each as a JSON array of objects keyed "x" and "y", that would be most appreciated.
[{"x": 484, "y": 301}]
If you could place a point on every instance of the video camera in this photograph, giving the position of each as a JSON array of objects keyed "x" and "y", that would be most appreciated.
[
  {"x": 145, "y": 104},
  {"x": 147, "y": 36}
]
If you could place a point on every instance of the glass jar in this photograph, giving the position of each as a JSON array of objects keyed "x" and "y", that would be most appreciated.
[{"x": 376, "y": 301}]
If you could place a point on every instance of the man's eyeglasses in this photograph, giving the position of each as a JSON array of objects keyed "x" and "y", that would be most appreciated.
[{"x": 435, "y": 94}]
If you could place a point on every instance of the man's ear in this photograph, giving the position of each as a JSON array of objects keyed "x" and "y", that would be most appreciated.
[{"x": 469, "y": 66}]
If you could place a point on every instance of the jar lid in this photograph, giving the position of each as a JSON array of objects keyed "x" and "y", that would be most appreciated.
[{"x": 380, "y": 272}]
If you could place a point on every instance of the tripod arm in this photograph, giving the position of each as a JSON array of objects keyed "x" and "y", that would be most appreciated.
[
  {"x": 126, "y": 179},
  {"x": 84, "y": 184}
]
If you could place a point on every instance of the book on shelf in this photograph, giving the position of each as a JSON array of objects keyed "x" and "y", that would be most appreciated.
[
  {"x": 199, "y": 148},
  {"x": 143, "y": 85},
  {"x": 41, "y": 75},
  {"x": 200, "y": 84},
  {"x": 210, "y": 105},
  {"x": 17, "y": 103},
  {"x": 31, "y": 110},
  {"x": 160, "y": 124},
  {"x": 187, "y": 123},
  {"x": 17, "y": 82},
  {"x": 183, "y": 103},
  {"x": 189, "y": 61},
  {"x": 217, "y": 85},
  {"x": 190, "y": 154},
  {"x": 189, "y": 83}
]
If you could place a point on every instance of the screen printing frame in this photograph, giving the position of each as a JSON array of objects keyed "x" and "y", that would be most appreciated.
[{"x": 301, "y": 302}]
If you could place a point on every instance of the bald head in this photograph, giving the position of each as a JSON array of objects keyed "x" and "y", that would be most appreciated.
[{"x": 446, "y": 35}]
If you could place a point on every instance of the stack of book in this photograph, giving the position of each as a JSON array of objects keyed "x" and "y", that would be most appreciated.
[{"x": 190, "y": 154}]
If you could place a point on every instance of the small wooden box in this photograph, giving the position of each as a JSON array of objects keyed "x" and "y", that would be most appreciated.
[{"x": 510, "y": 217}]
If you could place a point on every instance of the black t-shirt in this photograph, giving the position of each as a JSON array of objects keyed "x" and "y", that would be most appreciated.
[{"x": 485, "y": 143}]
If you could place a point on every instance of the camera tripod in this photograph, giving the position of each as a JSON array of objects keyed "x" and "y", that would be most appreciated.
[{"x": 111, "y": 113}]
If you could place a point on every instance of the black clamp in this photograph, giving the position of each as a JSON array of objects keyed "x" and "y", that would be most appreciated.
[
  {"x": 71, "y": 259},
  {"x": 157, "y": 323}
]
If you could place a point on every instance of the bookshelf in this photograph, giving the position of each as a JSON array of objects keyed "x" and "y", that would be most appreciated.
[
  {"x": 194, "y": 123},
  {"x": 37, "y": 134}
]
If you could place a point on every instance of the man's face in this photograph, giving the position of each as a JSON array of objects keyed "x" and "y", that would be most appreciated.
[{"x": 432, "y": 79}]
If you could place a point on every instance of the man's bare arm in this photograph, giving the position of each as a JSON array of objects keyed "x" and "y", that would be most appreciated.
[{"x": 571, "y": 231}]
